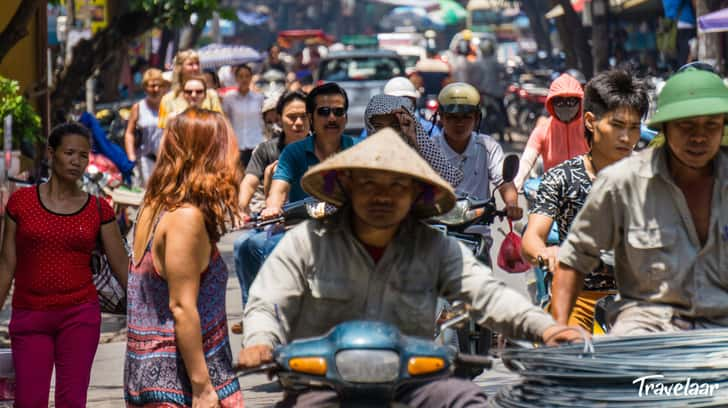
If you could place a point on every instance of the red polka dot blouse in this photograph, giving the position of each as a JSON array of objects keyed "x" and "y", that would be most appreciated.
[{"x": 53, "y": 251}]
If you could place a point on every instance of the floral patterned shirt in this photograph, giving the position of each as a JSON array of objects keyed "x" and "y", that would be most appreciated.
[{"x": 561, "y": 195}]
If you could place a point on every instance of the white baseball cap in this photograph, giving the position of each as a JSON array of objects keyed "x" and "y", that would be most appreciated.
[{"x": 401, "y": 86}]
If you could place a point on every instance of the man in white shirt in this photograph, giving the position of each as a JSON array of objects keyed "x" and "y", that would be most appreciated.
[
  {"x": 478, "y": 156},
  {"x": 243, "y": 107}
]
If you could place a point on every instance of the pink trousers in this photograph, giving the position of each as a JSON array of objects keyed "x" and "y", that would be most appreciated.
[{"x": 65, "y": 338}]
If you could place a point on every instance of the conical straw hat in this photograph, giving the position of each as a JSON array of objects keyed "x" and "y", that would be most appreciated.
[{"x": 385, "y": 151}]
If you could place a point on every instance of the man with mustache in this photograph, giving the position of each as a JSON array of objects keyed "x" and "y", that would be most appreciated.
[
  {"x": 614, "y": 103},
  {"x": 374, "y": 259},
  {"x": 664, "y": 212},
  {"x": 326, "y": 107}
]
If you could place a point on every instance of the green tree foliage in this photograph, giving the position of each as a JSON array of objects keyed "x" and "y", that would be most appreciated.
[
  {"x": 26, "y": 122},
  {"x": 140, "y": 16}
]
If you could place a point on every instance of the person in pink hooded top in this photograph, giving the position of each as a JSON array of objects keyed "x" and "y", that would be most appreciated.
[{"x": 561, "y": 136}]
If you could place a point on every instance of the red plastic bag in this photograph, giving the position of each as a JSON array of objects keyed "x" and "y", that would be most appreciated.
[{"x": 509, "y": 254}]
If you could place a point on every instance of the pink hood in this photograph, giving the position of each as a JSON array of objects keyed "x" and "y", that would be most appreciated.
[{"x": 557, "y": 141}]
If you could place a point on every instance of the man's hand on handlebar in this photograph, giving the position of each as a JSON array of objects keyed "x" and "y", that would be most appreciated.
[
  {"x": 561, "y": 334},
  {"x": 514, "y": 212},
  {"x": 254, "y": 356},
  {"x": 270, "y": 212},
  {"x": 549, "y": 258}
]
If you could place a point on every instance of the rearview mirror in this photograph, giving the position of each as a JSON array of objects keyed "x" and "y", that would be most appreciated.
[{"x": 510, "y": 168}]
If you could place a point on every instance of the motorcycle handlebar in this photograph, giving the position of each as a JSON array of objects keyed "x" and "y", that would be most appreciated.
[
  {"x": 263, "y": 368},
  {"x": 474, "y": 361}
]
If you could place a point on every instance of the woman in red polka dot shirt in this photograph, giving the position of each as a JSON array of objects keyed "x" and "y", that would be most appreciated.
[{"x": 50, "y": 231}]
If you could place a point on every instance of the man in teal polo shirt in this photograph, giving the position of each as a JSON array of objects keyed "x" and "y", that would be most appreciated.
[{"x": 326, "y": 108}]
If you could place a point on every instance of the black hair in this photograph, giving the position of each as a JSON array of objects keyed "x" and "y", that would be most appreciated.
[
  {"x": 64, "y": 129},
  {"x": 242, "y": 66},
  {"x": 329, "y": 88},
  {"x": 289, "y": 97},
  {"x": 614, "y": 89},
  {"x": 215, "y": 78}
]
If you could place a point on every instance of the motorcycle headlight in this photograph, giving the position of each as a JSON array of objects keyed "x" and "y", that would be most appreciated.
[{"x": 368, "y": 366}]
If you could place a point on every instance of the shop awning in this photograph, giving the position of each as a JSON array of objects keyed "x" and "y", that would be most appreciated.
[{"x": 714, "y": 22}]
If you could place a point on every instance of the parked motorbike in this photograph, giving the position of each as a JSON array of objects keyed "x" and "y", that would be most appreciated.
[
  {"x": 104, "y": 180},
  {"x": 365, "y": 362}
]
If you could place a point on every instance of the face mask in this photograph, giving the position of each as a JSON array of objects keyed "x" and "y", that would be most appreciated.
[{"x": 566, "y": 113}]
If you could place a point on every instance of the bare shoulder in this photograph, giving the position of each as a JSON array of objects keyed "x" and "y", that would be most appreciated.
[
  {"x": 182, "y": 232},
  {"x": 185, "y": 220}
]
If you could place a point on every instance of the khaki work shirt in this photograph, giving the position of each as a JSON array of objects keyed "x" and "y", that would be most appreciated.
[
  {"x": 637, "y": 209},
  {"x": 320, "y": 275}
]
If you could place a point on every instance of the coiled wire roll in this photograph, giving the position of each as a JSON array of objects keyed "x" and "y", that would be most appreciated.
[{"x": 606, "y": 373}]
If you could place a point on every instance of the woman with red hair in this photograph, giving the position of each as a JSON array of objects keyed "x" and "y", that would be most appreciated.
[{"x": 178, "y": 352}]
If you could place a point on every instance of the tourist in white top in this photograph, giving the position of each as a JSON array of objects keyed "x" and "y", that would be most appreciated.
[
  {"x": 243, "y": 107},
  {"x": 141, "y": 140}
]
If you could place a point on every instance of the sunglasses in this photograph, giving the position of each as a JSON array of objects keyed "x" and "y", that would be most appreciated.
[
  {"x": 566, "y": 102},
  {"x": 191, "y": 92},
  {"x": 326, "y": 111}
]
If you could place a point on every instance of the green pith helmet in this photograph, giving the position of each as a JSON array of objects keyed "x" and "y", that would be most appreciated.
[
  {"x": 690, "y": 93},
  {"x": 459, "y": 97}
]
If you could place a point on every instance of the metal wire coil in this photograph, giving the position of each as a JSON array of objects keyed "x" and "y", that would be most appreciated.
[{"x": 603, "y": 373}]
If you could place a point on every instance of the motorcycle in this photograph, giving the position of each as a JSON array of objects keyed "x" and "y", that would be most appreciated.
[
  {"x": 457, "y": 223},
  {"x": 271, "y": 82},
  {"x": 646, "y": 136},
  {"x": 103, "y": 179},
  {"x": 432, "y": 74},
  {"x": 540, "y": 286},
  {"x": 292, "y": 214},
  {"x": 365, "y": 362},
  {"x": 494, "y": 120}
]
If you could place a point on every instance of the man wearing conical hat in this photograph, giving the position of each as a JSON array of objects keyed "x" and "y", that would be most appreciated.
[
  {"x": 374, "y": 260},
  {"x": 664, "y": 211}
]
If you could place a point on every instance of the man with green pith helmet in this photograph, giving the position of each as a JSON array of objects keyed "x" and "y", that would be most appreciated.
[{"x": 664, "y": 211}]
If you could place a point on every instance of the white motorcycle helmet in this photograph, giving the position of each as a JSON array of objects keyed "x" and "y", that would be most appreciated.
[{"x": 401, "y": 86}]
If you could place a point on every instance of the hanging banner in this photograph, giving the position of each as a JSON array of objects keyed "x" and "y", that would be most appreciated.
[{"x": 93, "y": 12}]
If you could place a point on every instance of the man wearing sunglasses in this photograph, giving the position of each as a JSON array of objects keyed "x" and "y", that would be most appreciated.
[
  {"x": 326, "y": 108},
  {"x": 664, "y": 212},
  {"x": 561, "y": 136}
]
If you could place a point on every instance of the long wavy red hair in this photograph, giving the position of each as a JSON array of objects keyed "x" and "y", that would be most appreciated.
[{"x": 197, "y": 164}]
